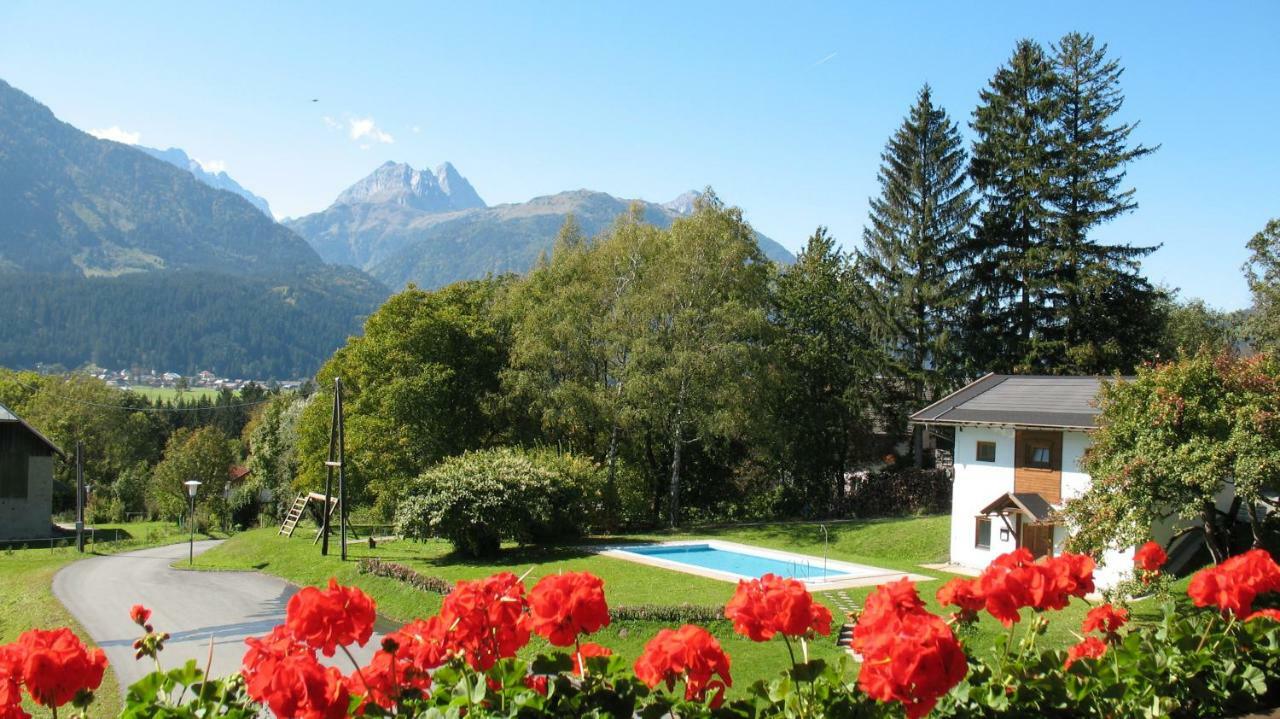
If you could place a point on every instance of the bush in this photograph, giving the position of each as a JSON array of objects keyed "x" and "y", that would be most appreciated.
[
  {"x": 408, "y": 575},
  {"x": 478, "y": 499}
]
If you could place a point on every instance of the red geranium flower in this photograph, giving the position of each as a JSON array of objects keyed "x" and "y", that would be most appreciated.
[
  {"x": 1014, "y": 580},
  {"x": 1214, "y": 587},
  {"x": 962, "y": 593},
  {"x": 386, "y": 679},
  {"x": 56, "y": 666},
  {"x": 282, "y": 673},
  {"x": 1272, "y": 614},
  {"x": 327, "y": 619},
  {"x": 264, "y": 655},
  {"x": 1104, "y": 618},
  {"x": 1150, "y": 557},
  {"x": 139, "y": 614},
  {"x": 563, "y": 606},
  {"x": 537, "y": 682},
  {"x": 11, "y": 683},
  {"x": 424, "y": 643},
  {"x": 486, "y": 619},
  {"x": 908, "y": 654},
  {"x": 1088, "y": 648},
  {"x": 586, "y": 651},
  {"x": 403, "y": 664},
  {"x": 691, "y": 653},
  {"x": 772, "y": 605},
  {"x": 1233, "y": 585}
]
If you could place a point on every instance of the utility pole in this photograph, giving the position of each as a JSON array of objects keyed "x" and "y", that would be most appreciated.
[
  {"x": 80, "y": 497},
  {"x": 342, "y": 467},
  {"x": 335, "y": 462}
]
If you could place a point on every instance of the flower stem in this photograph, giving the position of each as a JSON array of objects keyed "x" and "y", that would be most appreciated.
[{"x": 356, "y": 664}]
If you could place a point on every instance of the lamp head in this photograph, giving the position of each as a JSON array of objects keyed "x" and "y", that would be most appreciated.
[{"x": 191, "y": 485}]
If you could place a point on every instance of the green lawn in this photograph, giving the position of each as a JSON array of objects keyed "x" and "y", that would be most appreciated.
[
  {"x": 169, "y": 394},
  {"x": 901, "y": 544},
  {"x": 27, "y": 601}
]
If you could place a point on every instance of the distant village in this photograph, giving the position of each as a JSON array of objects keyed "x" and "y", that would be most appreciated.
[{"x": 126, "y": 379}]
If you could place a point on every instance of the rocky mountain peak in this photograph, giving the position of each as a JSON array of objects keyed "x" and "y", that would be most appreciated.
[
  {"x": 684, "y": 204},
  {"x": 398, "y": 183}
]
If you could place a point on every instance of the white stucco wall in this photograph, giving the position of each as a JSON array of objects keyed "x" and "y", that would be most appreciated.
[{"x": 976, "y": 485}]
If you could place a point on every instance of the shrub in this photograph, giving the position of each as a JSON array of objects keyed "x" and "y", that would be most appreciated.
[
  {"x": 478, "y": 499},
  {"x": 408, "y": 575}
]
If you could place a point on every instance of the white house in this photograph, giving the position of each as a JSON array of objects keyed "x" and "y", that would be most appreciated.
[{"x": 1018, "y": 444}]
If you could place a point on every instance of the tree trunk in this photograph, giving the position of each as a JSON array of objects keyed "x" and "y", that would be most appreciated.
[
  {"x": 1255, "y": 526},
  {"x": 611, "y": 483},
  {"x": 677, "y": 446},
  {"x": 655, "y": 477},
  {"x": 1208, "y": 515}
]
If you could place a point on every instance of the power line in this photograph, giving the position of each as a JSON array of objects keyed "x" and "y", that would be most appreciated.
[{"x": 104, "y": 405}]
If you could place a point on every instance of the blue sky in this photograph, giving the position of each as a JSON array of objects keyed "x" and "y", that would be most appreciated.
[{"x": 783, "y": 108}]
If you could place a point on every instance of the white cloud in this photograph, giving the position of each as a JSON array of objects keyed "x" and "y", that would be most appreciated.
[
  {"x": 115, "y": 133},
  {"x": 331, "y": 123},
  {"x": 366, "y": 129},
  {"x": 212, "y": 167},
  {"x": 416, "y": 129}
]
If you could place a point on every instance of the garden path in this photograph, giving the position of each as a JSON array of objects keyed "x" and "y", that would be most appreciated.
[{"x": 192, "y": 606}]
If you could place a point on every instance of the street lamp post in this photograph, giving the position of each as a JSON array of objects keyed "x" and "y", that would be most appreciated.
[{"x": 192, "y": 485}]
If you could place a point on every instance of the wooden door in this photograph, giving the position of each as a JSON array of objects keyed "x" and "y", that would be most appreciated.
[{"x": 1038, "y": 539}]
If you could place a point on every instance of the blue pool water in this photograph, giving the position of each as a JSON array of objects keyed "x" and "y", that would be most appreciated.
[{"x": 746, "y": 565}]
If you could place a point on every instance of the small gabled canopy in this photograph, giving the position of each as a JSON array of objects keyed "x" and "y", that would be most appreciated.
[
  {"x": 1035, "y": 507},
  {"x": 7, "y": 416}
]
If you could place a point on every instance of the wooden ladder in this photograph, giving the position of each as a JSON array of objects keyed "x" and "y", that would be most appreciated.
[{"x": 295, "y": 515}]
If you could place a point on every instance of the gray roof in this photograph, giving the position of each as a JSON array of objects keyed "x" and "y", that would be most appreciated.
[
  {"x": 1019, "y": 401},
  {"x": 7, "y": 415}
]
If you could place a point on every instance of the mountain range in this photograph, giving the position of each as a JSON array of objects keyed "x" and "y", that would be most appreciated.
[
  {"x": 117, "y": 254},
  {"x": 219, "y": 179},
  {"x": 404, "y": 225},
  {"x": 109, "y": 255}
]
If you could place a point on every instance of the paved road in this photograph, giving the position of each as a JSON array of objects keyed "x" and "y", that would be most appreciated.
[{"x": 191, "y": 606}]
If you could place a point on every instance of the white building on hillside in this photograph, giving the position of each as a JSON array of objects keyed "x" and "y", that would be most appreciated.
[{"x": 1018, "y": 444}]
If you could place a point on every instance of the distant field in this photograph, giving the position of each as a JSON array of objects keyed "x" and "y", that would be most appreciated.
[{"x": 168, "y": 394}]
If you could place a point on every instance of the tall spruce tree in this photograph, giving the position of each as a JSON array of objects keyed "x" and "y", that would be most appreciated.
[
  {"x": 907, "y": 268},
  {"x": 1049, "y": 161},
  {"x": 1012, "y": 167},
  {"x": 1102, "y": 305}
]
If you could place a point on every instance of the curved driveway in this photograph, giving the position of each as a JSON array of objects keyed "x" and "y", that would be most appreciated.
[{"x": 191, "y": 606}]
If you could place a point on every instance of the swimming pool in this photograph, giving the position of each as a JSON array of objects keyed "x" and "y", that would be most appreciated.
[{"x": 731, "y": 561}]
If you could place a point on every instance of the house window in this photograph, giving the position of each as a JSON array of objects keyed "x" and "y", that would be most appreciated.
[
  {"x": 986, "y": 451},
  {"x": 1039, "y": 454},
  {"x": 13, "y": 466},
  {"x": 982, "y": 533}
]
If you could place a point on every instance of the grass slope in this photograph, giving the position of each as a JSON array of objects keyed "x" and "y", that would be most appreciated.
[
  {"x": 27, "y": 601},
  {"x": 897, "y": 544}
]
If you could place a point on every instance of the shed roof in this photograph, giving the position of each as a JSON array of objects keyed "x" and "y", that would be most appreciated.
[
  {"x": 1021, "y": 401},
  {"x": 7, "y": 415}
]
